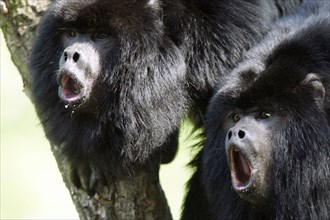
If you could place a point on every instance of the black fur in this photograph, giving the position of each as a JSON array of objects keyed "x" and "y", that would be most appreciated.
[
  {"x": 159, "y": 63},
  {"x": 271, "y": 77},
  {"x": 139, "y": 96}
]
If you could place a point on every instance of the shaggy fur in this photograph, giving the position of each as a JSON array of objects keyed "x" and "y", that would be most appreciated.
[
  {"x": 160, "y": 62},
  {"x": 270, "y": 77}
]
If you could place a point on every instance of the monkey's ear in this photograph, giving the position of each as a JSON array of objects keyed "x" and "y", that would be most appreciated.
[{"x": 314, "y": 81}]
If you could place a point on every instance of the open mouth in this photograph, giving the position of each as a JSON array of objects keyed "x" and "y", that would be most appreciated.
[
  {"x": 241, "y": 171},
  {"x": 70, "y": 88}
]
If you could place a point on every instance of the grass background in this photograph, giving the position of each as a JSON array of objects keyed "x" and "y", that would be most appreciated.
[{"x": 31, "y": 186}]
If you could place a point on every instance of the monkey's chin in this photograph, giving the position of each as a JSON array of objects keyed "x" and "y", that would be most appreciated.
[
  {"x": 246, "y": 178},
  {"x": 71, "y": 98}
]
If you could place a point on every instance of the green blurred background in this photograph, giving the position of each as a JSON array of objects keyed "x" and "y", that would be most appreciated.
[{"x": 31, "y": 185}]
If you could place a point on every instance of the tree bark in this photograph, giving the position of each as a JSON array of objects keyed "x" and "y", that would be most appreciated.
[{"x": 134, "y": 197}]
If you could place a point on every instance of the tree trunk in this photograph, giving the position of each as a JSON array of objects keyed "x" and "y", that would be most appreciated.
[{"x": 135, "y": 197}]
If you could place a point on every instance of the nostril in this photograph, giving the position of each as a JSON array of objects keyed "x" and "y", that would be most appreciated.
[
  {"x": 229, "y": 135},
  {"x": 65, "y": 56},
  {"x": 241, "y": 134},
  {"x": 76, "y": 57}
]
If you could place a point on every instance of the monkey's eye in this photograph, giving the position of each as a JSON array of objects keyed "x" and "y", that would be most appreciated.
[
  {"x": 72, "y": 34},
  {"x": 99, "y": 35},
  {"x": 263, "y": 115},
  {"x": 235, "y": 117}
]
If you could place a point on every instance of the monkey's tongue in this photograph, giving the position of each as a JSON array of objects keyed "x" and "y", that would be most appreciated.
[{"x": 241, "y": 170}]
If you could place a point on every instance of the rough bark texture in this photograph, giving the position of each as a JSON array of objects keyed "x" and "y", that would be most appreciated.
[{"x": 135, "y": 197}]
